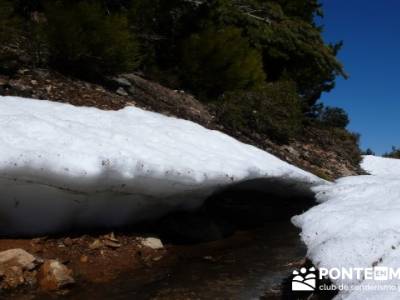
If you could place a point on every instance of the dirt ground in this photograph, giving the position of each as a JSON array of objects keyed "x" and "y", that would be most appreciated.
[
  {"x": 92, "y": 259},
  {"x": 101, "y": 259}
]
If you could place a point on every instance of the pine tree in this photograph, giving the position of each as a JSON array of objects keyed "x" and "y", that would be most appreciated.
[
  {"x": 85, "y": 40},
  {"x": 218, "y": 60}
]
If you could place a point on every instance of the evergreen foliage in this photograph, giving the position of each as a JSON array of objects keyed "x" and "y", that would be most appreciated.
[
  {"x": 334, "y": 117},
  {"x": 92, "y": 37},
  {"x": 369, "y": 151},
  {"x": 274, "y": 110},
  {"x": 219, "y": 60},
  {"x": 86, "y": 41},
  {"x": 394, "y": 153},
  {"x": 262, "y": 63},
  {"x": 10, "y": 32}
]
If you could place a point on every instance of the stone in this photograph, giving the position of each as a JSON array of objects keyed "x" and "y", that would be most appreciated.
[
  {"x": 111, "y": 244},
  {"x": 158, "y": 258},
  {"x": 12, "y": 277},
  {"x": 97, "y": 244},
  {"x": 122, "y": 81},
  {"x": 17, "y": 257},
  {"x": 3, "y": 80},
  {"x": 84, "y": 259},
  {"x": 68, "y": 242},
  {"x": 54, "y": 276},
  {"x": 152, "y": 243},
  {"x": 13, "y": 264},
  {"x": 130, "y": 103},
  {"x": 132, "y": 90},
  {"x": 19, "y": 86},
  {"x": 30, "y": 278},
  {"x": 111, "y": 237},
  {"x": 292, "y": 151},
  {"x": 121, "y": 91}
]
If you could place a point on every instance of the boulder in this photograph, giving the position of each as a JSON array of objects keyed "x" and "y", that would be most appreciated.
[
  {"x": 152, "y": 243},
  {"x": 53, "y": 276},
  {"x": 13, "y": 264},
  {"x": 17, "y": 257}
]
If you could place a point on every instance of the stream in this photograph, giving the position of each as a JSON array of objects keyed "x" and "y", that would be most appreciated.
[
  {"x": 252, "y": 263},
  {"x": 253, "y": 267}
]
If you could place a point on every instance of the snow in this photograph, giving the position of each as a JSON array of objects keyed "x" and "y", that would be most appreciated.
[
  {"x": 64, "y": 167},
  {"x": 376, "y": 165},
  {"x": 357, "y": 225}
]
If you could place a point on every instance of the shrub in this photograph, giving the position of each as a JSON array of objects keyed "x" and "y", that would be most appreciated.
[
  {"x": 10, "y": 31},
  {"x": 5, "y": 16},
  {"x": 86, "y": 41},
  {"x": 274, "y": 110},
  {"x": 348, "y": 142},
  {"x": 368, "y": 151},
  {"x": 334, "y": 117},
  {"x": 219, "y": 60},
  {"x": 394, "y": 153}
]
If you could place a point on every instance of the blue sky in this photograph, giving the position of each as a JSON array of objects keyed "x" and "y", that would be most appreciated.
[{"x": 370, "y": 31}]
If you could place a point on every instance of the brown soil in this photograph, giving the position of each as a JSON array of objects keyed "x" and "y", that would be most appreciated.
[
  {"x": 104, "y": 265},
  {"x": 90, "y": 265}
]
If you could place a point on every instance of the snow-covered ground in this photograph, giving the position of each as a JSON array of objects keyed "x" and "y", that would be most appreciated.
[
  {"x": 63, "y": 166},
  {"x": 357, "y": 225}
]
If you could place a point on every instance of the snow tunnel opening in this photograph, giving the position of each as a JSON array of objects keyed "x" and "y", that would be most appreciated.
[
  {"x": 29, "y": 209},
  {"x": 244, "y": 206}
]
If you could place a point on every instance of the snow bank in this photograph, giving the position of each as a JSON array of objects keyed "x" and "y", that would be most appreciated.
[
  {"x": 62, "y": 166},
  {"x": 357, "y": 225},
  {"x": 381, "y": 166}
]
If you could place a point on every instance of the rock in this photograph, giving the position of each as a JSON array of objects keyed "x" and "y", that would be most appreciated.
[
  {"x": 130, "y": 103},
  {"x": 13, "y": 264},
  {"x": 122, "y": 81},
  {"x": 111, "y": 237},
  {"x": 132, "y": 90},
  {"x": 17, "y": 257},
  {"x": 30, "y": 278},
  {"x": 68, "y": 242},
  {"x": 152, "y": 243},
  {"x": 84, "y": 259},
  {"x": 121, "y": 91},
  {"x": 292, "y": 151},
  {"x": 157, "y": 258},
  {"x": 39, "y": 240},
  {"x": 111, "y": 244},
  {"x": 97, "y": 244},
  {"x": 3, "y": 80},
  {"x": 12, "y": 277},
  {"x": 21, "y": 88},
  {"x": 53, "y": 276}
]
